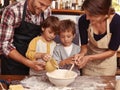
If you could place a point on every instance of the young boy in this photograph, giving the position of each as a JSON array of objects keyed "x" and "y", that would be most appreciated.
[
  {"x": 41, "y": 47},
  {"x": 64, "y": 52}
]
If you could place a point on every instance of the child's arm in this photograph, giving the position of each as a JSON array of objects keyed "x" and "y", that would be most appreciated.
[
  {"x": 43, "y": 56},
  {"x": 32, "y": 54},
  {"x": 56, "y": 54},
  {"x": 31, "y": 51}
]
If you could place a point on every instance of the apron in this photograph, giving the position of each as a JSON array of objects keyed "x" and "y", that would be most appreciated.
[
  {"x": 22, "y": 36},
  {"x": 100, "y": 67}
]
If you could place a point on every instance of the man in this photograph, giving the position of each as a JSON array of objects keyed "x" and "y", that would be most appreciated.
[{"x": 20, "y": 23}]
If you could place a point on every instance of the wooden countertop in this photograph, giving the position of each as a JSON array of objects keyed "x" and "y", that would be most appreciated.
[
  {"x": 8, "y": 78},
  {"x": 12, "y": 77},
  {"x": 67, "y": 11},
  {"x": 108, "y": 80}
]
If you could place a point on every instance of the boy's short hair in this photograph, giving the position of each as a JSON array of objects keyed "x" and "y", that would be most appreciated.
[
  {"x": 52, "y": 22},
  {"x": 67, "y": 25}
]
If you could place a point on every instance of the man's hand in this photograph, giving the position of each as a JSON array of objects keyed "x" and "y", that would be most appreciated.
[{"x": 36, "y": 65}]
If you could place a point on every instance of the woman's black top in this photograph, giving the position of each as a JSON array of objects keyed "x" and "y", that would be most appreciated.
[{"x": 83, "y": 25}]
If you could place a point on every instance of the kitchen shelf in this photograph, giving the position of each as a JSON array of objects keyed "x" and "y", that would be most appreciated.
[{"x": 67, "y": 11}]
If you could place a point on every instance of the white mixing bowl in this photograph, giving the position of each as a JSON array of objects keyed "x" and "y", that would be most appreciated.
[{"x": 61, "y": 77}]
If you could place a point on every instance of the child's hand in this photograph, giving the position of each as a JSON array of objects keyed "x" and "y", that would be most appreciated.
[
  {"x": 46, "y": 57},
  {"x": 67, "y": 61}
]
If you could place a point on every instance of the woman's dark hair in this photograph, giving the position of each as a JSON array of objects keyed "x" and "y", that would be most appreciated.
[
  {"x": 98, "y": 7},
  {"x": 67, "y": 25},
  {"x": 52, "y": 22}
]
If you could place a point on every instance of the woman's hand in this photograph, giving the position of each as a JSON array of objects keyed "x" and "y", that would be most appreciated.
[
  {"x": 81, "y": 62},
  {"x": 77, "y": 57}
]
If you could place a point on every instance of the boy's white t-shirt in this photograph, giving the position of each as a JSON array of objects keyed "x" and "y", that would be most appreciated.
[{"x": 68, "y": 49}]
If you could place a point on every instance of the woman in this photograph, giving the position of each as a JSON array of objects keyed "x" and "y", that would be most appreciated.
[{"x": 99, "y": 31}]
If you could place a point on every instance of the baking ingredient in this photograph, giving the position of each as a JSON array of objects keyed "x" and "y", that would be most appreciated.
[{"x": 16, "y": 87}]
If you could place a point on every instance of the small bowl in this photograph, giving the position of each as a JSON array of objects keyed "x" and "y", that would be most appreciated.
[
  {"x": 59, "y": 77},
  {"x": 51, "y": 65}
]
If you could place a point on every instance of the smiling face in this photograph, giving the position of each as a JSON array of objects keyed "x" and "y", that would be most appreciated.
[
  {"x": 66, "y": 38},
  {"x": 38, "y": 6}
]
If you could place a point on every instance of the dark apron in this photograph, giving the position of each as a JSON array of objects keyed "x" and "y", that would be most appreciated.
[{"x": 23, "y": 35}]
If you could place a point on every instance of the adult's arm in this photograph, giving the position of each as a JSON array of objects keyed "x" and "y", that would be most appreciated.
[
  {"x": 14, "y": 54},
  {"x": 115, "y": 30},
  {"x": 8, "y": 23}
]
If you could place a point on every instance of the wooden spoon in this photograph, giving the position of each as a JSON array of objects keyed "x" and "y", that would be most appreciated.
[{"x": 67, "y": 75}]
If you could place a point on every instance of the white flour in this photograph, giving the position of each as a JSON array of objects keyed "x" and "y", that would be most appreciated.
[{"x": 81, "y": 83}]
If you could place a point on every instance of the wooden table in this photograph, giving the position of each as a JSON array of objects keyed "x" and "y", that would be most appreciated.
[
  {"x": 108, "y": 80},
  {"x": 10, "y": 78}
]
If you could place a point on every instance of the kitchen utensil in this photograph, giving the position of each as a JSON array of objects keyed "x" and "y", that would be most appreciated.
[
  {"x": 68, "y": 72},
  {"x": 51, "y": 65},
  {"x": 57, "y": 77}
]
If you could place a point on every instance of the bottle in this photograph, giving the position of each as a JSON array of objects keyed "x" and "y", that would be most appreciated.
[
  {"x": 61, "y": 4},
  {"x": 56, "y": 4},
  {"x": 66, "y": 5},
  {"x": 69, "y": 4},
  {"x": 53, "y": 4}
]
